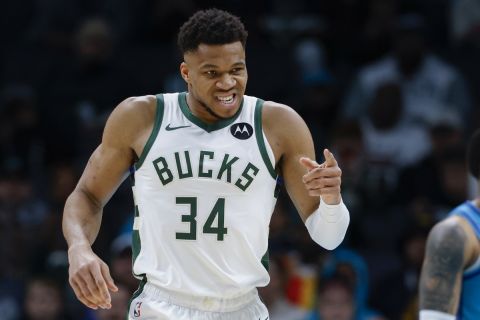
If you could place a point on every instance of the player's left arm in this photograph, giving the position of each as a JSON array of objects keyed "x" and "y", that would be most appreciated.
[
  {"x": 447, "y": 253},
  {"x": 314, "y": 188}
]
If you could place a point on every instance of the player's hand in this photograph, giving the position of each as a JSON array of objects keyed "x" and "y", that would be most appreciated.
[
  {"x": 323, "y": 179},
  {"x": 90, "y": 277}
]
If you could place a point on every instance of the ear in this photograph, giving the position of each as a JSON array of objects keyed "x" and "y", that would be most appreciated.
[{"x": 184, "y": 71}]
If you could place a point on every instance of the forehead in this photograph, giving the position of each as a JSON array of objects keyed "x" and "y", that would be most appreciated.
[{"x": 218, "y": 55}]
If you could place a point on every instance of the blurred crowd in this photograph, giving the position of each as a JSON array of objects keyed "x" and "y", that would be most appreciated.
[{"x": 388, "y": 85}]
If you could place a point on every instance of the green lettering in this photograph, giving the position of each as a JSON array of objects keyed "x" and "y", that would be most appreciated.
[
  {"x": 201, "y": 173},
  {"x": 248, "y": 179},
  {"x": 182, "y": 174},
  {"x": 226, "y": 166},
  {"x": 218, "y": 212},
  {"x": 163, "y": 172},
  {"x": 190, "y": 218}
]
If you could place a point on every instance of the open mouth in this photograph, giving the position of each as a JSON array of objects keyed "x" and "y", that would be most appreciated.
[{"x": 227, "y": 100}]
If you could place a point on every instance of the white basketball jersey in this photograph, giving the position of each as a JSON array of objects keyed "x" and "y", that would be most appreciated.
[{"x": 204, "y": 196}]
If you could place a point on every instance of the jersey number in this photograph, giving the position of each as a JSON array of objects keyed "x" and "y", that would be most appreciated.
[{"x": 218, "y": 212}]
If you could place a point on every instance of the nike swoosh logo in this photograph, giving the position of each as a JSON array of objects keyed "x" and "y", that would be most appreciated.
[{"x": 169, "y": 128}]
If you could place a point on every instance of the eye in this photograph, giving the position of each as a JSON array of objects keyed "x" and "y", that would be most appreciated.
[
  {"x": 211, "y": 73},
  {"x": 237, "y": 70}
]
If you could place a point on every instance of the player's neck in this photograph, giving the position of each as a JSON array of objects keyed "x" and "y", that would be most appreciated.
[{"x": 202, "y": 111}]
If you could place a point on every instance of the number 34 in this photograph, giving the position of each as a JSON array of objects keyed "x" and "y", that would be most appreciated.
[{"x": 218, "y": 212}]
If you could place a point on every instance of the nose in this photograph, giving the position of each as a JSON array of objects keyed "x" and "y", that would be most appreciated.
[{"x": 226, "y": 82}]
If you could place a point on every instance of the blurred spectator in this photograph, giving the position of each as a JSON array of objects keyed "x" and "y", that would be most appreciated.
[
  {"x": 310, "y": 57},
  {"x": 279, "y": 237},
  {"x": 465, "y": 47},
  {"x": 349, "y": 149},
  {"x": 375, "y": 40},
  {"x": 465, "y": 21},
  {"x": 387, "y": 138},
  {"x": 22, "y": 214},
  {"x": 336, "y": 300},
  {"x": 343, "y": 22},
  {"x": 351, "y": 267},
  {"x": 53, "y": 23},
  {"x": 429, "y": 85},
  {"x": 348, "y": 146},
  {"x": 121, "y": 262},
  {"x": 10, "y": 296},
  {"x": 44, "y": 301},
  {"x": 319, "y": 92},
  {"x": 21, "y": 137},
  {"x": 82, "y": 91},
  {"x": 51, "y": 250},
  {"x": 396, "y": 293},
  {"x": 436, "y": 184}
]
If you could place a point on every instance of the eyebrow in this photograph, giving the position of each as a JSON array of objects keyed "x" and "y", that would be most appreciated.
[{"x": 213, "y": 66}]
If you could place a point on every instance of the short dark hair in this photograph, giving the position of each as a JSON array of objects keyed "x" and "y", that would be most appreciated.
[
  {"x": 335, "y": 280},
  {"x": 211, "y": 26},
  {"x": 473, "y": 154}
]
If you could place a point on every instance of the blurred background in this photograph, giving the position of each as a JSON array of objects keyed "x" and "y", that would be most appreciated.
[{"x": 390, "y": 86}]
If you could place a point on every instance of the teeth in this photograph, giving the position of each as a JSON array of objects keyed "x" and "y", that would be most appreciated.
[{"x": 228, "y": 99}]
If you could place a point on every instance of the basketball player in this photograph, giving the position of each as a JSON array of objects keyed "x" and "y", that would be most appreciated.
[
  {"x": 205, "y": 165},
  {"x": 450, "y": 279}
]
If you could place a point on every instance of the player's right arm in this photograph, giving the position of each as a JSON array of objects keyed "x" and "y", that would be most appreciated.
[
  {"x": 314, "y": 188},
  {"x": 125, "y": 132},
  {"x": 448, "y": 251}
]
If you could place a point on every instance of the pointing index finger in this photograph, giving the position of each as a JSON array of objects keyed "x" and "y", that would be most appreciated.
[{"x": 330, "y": 160}]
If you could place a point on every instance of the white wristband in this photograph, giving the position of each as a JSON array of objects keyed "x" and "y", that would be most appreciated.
[
  {"x": 435, "y": 315},
  {"x": 328, "y": 224}
]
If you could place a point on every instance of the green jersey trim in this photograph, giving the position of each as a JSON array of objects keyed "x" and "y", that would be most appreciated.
[
  {"x": 136, "y": 294},
  {"x": 136, "y": 242},
  {"x": 266, "y": 260},
  {"x": 209, "y": 127},
  {"x": 153, "y": 135},
  {"x": 260, "y": 140}
]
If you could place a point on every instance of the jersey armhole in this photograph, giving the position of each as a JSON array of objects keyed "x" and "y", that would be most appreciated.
[
  {"x": 473, "y": 268},
  {"x": 261, "y": 139},
  {"x": 156, "y": 127}
]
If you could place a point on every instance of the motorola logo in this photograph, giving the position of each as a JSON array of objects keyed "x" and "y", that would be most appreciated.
[{"x": 241, "y": 130}]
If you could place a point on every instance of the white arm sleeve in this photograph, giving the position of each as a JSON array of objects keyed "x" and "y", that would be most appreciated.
[
  {"x": 435, "y": 315},
  {"x": 328, "y": 224}
]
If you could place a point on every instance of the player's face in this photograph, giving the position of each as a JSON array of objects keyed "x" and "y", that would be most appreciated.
[{"x": 216, "y": 76}]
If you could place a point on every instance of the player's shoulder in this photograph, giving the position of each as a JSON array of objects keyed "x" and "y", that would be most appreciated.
[
  {"x": 138, "y": 105},
  {"x": 135, "y": 109},
  {"x": 451, "y": 230},
  {"x": 275, "y": 107},
  {"x": 280, "y": 114},
  {"x": 131, "y": 116},
  {"x": 453, "y": 236},
  {"x": 284, "y": 127}
]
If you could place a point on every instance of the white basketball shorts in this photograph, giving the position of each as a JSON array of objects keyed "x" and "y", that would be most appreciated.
[{"x": 154, "y": 303}]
